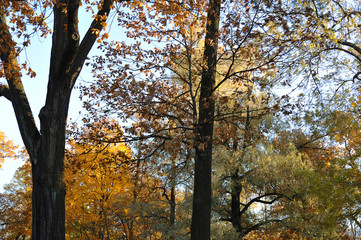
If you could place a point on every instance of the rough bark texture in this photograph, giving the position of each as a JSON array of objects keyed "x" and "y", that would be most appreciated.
[
  {"x": 46, "y": 147},
  {"x": 201, "y": 215}
]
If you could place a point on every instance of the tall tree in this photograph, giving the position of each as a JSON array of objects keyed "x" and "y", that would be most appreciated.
[
  {"x": 202, "y": 194},
  {"x": 46, "y": 145},
  {"x": 171, "y": 87}
]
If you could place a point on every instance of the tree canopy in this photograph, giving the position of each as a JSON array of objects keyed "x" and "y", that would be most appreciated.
[{"x": 218, "y": 119}]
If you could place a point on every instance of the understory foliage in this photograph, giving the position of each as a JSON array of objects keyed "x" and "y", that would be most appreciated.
[
  {"x": 288, "y": 187},
  {"x": 208, "y": 120},
  {"x": 110, "y": 195}
]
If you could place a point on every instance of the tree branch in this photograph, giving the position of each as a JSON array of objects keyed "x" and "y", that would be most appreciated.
[
  {"x": 346, "y": 51},
  {"x": 303, "y": 145},
  {"x": 15, "y": 90},
  {"x": 258, "y": 225},
  {"x": 259, "y": 199},
  {"x": 351, "y": 45},
  {"x": 90, "y": 38},
  {"x": 5, "y": 91}
]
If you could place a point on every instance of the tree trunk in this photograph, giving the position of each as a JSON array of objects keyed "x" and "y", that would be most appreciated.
[
  {"x": 46, "y": 147},
  {"x": 172, "y": 201},
  {"x": 48, "y": 168},
  {"x": 202, "y": 195},
  {"x": 172, "y": 204},
  {"x": 236, "y": 190}
]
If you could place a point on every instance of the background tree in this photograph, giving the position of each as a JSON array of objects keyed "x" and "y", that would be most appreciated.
[
  {"x": 15, "y": 205},
  {"x": 188, "y": 82},
  {"x": 110, "y": 196}
]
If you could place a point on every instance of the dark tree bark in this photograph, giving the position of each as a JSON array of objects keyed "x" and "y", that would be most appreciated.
[
  {"x": 172, "y": 200},
  {"x": 172, "y": 204},
  {"x": 46, "y": 147},
  {"x": 201, "y": 215}
]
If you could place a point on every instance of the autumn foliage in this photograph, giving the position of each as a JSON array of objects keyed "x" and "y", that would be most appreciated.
[{"x": 209, "y": 119}]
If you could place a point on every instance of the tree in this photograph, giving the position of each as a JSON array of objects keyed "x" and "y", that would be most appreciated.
[
  {"x": 202, "y": 194},
  {"x": 15, "y": 205},
  {"x": 323, "y": 38},
  {"x": 262, "y": 175},
  {"x": 68, "y": 53},
  {"x": 324, "y": 195},
  {"x": 171, "y": 87},
  {"x": 110, "y": 194},
  {"x": 157, "y": 187}
]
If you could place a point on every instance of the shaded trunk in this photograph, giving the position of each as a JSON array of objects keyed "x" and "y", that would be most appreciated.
[
  {"x": 236, "y": 181},
  {"x": 48, "y": 167},
  {"x": 172, "y": 202},
  {"x": 235, "y": 203},
  {"x": 201, "y": 215},
  {"x": 48, "y": 177},
  {"x": 46, "y": 147}
]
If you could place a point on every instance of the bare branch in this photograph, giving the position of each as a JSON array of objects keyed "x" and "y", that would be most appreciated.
[
  {"x": 303, "y": 145},
  {"x": 258, "y": 225},
  {"x": 351, "y": 45},
  {"x": 346, "y": 51},
  {"x": 259, "y": 199},
  {"x": 5, "y": 91}
]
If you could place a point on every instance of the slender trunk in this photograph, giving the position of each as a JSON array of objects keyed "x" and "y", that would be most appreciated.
[
  {"x": 235, "y": 203},
  {"x": 172, "y": 204},
  {"x": 236, "y": 181},
  {"x": 172, "y": 201},
  {"x": 201, "y": 215}
]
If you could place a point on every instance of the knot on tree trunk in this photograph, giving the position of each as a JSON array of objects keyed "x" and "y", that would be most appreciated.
[{"x": 75, "y": 36}]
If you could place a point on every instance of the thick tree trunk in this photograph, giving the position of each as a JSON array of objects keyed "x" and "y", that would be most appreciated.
[
  {"x": 202, "y": 195},
  {"x": 48, "y": 203},
  {"x": 48, "y": 172},
  {"x": 46, "y": 148}
]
